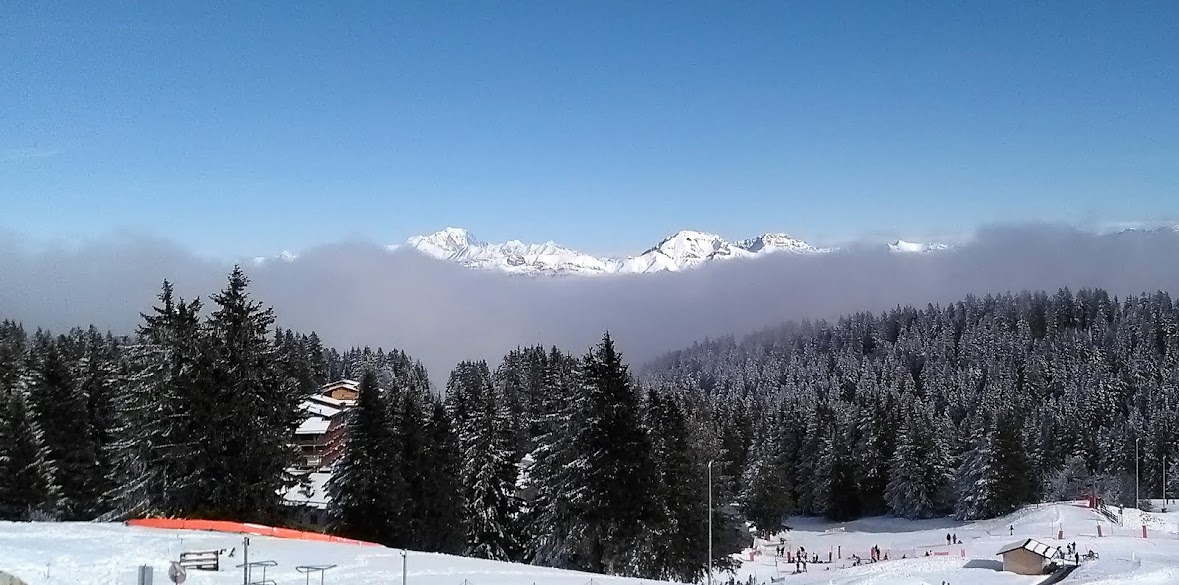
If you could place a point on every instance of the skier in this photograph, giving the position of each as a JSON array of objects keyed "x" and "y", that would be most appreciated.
[
  {"x": 947, "y": 538},
  {"x": 1011, "y": 529}
]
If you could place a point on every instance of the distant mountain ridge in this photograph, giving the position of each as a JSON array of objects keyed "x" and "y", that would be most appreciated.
[{"x": 682, "y": 250}]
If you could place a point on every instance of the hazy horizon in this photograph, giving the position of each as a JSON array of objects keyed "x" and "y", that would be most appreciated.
[{"x": 357, "y": 293}]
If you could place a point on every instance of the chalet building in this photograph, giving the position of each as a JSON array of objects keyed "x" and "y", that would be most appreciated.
[
  {"x": 348, "y": 390},
  {"x": 320, "y": 437},
  {"x": 1028, "y": 557}
]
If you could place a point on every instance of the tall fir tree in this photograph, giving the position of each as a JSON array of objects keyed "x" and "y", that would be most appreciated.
[
  {"x": 441, "y": 499},
  {"x": 59, "y": 408},
  {"x": 677, "y": 538},
  {"x": 489, "y": 474},
  {"x": 367, "y": 473},
  {"x": 920, "y": 470},
  {"x": 155, "y": 440},
  {"x": 408, "y": 422},
  {"x": 549, "y": 483},
  {"x": 251, "y": 403},
  {"x": 609, "y": 442},
  {"x": 29, "y": 490}
]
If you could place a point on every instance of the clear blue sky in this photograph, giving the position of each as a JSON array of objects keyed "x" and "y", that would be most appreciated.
[{"x": 243, "y": 128}]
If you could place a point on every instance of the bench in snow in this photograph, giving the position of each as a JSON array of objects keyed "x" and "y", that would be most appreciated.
[{"x": 204, "y": 560}]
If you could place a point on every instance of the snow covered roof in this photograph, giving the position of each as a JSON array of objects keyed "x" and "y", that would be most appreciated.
[
  {"x": 313, "y": 494},
  {"x": 353, "y": 384},
  {"x": 314, "y": 426},
  {"x": 328, "y": 400},
  {"x": 1031, "y": 545},
  {"x": 321, "y": 410}
]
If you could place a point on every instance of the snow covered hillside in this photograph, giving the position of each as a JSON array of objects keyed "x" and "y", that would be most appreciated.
[
  {"x": 1125, "y": 558},
  {"x": 47, "y": 553},
  {"x": 108, "y": 554}
]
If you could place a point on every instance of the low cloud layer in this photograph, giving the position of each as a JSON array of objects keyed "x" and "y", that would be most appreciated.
[{"x": 357, "y": 293}]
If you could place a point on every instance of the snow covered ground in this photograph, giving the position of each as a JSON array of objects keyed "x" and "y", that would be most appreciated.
[
  {"x": 108, "y": 554},
  {"x": 1125, "y": 557},
  {"x": 85, "y": 553}
]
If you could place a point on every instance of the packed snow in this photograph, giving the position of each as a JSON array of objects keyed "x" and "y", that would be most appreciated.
[
  {"x": 90, "y": 553},
  {"x": 1124, "y": 557},
  {"x": 59, "y": 553}
]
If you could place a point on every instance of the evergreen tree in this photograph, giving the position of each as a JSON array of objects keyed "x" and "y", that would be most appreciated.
[
  {"x": 152, "y": 445},
  {"x": 441, "y": 498},
  {"x": 766, "y": 499},
  {"x": 487, "y": 441},
  {"x": 488, "y": 474},
  {"x": 610, "y": 442},
  {"x": 837, "y": 489},
  {"x": 97, "y": 375},
  {"x": 58, "y": 409},
  {"x": 552, "y": 540},
  {"x": 679, "y": 540},
  {"x": 408, "y": 420},
  {"x": 29, "y": 490},
  {"x": 367, "y": 471},
  {"x": 1071, "y": 481},
  {"x": 251, "y": 404},
  {"x": 920, "y": 471}
]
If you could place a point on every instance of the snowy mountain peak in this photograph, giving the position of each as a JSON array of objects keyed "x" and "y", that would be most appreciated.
[
  {"x": 682, "y": 250},
  {"x": 691, "y": 245},
  {"x": 777, "y": 242},
  {"x": 903, "y": 247},
  {"x": 447, "y": 244},
  {"x": 285, "y": 256}
]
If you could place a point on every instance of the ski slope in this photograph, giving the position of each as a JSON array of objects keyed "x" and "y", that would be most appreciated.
[
  {"x": 1125, "y": 557},
  {"x": 89, "y": 553}
]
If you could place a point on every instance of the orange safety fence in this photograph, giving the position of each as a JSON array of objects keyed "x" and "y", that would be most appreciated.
[{"x": 242, "y": 528}]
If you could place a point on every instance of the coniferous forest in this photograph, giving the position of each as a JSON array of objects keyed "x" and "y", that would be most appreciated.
[{"x": 572, "y": 460}]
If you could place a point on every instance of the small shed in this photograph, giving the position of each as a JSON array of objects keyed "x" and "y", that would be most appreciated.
[{"x": 1027, "y": 557}]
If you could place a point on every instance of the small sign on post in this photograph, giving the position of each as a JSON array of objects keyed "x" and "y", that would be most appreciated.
[{"x": 177, "y": 573}]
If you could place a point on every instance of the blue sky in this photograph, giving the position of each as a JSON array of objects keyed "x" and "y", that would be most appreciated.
[{"x": 243, "y": 128}]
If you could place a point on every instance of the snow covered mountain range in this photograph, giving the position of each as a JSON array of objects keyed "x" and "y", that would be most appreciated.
[{"x": 683, "y": 250}]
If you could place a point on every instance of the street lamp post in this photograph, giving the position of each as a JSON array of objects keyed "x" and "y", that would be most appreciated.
[{"x": 710, "y": 522}]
